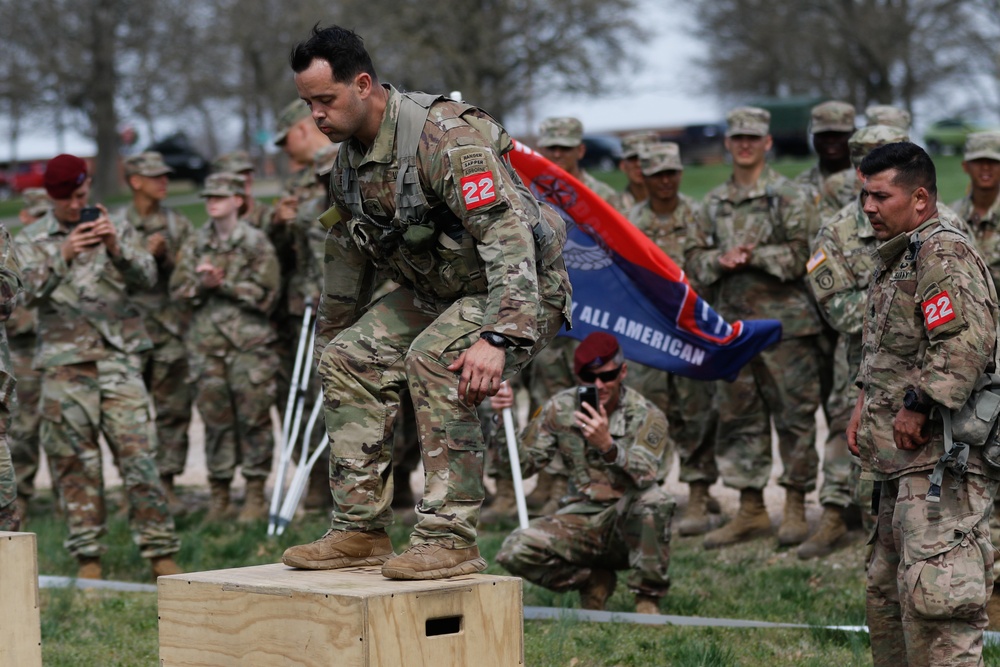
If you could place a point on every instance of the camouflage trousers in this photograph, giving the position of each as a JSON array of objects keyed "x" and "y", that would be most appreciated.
[
  {"x": 78, "y": 403},
  {"x": 549, "y": 372},
  {"x": 691, "y": 416},
  {"x": 165, "y": 371},
  {"x": 929, "y": 575},
  {"x": 842, "y": 485},
  {"x": 780, "y": 383},
  {"x": 9, "y": 518},
  {"x": 403, "y": 341},
  {"x": 234, "y": 396},
  {"x": 560, "y": 551},
  {"x": 24, "y": 444}
]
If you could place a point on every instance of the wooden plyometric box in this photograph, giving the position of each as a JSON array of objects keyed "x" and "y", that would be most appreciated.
[
  {"x": 20, "y": 623},
  {"x": 273, "y": 615}
]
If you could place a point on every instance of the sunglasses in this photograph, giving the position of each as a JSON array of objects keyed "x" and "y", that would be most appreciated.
[{"x": 591, "y": 377}]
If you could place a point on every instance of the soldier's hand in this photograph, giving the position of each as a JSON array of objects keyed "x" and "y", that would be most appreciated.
[
  {"x": 286, "y": 209},
  {"x": 908, "y": 429},
  {"x": 594, "y": 425},
  {"x": 504, "y": 397},
  {"x": 482, "y": 371},
  {"x": 736, "y": 258},
  {"x": 107, "y": 232},
  {"x": 82, "y": 237},
  {"x": 211, "y": 277},
  {"x": 852, "y": 426},
  {"x": 157, "y": 245}
]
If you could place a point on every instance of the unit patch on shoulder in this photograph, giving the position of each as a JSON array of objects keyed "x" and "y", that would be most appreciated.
[
  {"x": 818, "y": 258},
  {"x": 938, "y": 310},
  {"x": 478, "y": 190},
  {"x": 475, "y": 173}
]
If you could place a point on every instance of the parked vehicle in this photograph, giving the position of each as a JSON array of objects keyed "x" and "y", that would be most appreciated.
[
  {"x": 180, "y": 155},
  {"x": 948, "y": 134},
  {"x": 603, "y": 153}
]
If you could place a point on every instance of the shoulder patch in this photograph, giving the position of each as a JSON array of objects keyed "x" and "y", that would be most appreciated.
[
  {"x": 475, "y": 172},
  {"x": 938, "y": 310},
  {"x": 818, "y": 258}
]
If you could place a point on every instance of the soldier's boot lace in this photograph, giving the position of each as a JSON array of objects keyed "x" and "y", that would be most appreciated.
[
  {"x": 218, "y": 504},
  {"x": 433, "y": 560},
  {"x": 751, "y": 521},
  {"x": 828, "y": 536},
  {"x": 695, "y": 520},
  {"x": 647, "y": 604},
  {"x": 174, "y": 504},
  {"x": 558, "y": 488},
  {"x": 504, "y": 507},
  {"x": 164, "y": 566},
  {"x": 341, "y": 548},
  {"x": 89, "y": 568},
  {"x": 540, "y": 495},
  {"x": 254, "y": 505},
  {"x": 597, "y": 589},
  {"x": 793, "y": 529}
]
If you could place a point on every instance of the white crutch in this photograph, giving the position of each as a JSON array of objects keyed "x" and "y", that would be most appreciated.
[
  {"x": 301, "y": 477},
  {"x": 515, "y": 467}
]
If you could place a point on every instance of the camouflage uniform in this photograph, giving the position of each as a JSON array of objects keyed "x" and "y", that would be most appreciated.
[
  {"x": 25, "y": 445},
  {"x": 832, "y": 116},
  {"x": 883, "y": 114},
  {"x": 90, "y": 338},
  {"x": 633, "y": 145},
  {"x": 985, "y": 229},
  {"x": 781, "y": 382},
  {"x": 686, "y": 402},
  {"x": 229, "y": 345},
  {"x": 620, "y": 517},
  {"x": 165, "y": 366},
  {"x": 927, "y": 583},
  {"x": 441, "y": 306},
  {"x": 10, "y": 285}
]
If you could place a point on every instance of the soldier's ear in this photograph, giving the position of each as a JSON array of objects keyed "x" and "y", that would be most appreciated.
[
  {"x": 363, "y": 84},
  {"x": 921, "y": 199}
]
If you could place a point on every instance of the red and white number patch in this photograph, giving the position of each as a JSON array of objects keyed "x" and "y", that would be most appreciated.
[
  {"x": 938, "y": 310},
  {"x": 478, "y": 190}
]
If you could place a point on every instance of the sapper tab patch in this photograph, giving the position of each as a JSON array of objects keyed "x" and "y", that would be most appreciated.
[
  {"x": 815, "y": 260},
  {"x": 938, "y": 310}
]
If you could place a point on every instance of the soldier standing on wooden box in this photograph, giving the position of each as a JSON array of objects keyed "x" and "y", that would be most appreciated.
[
  {"x": 481, "y": 288},
  {"x": 10, "y": 285}
]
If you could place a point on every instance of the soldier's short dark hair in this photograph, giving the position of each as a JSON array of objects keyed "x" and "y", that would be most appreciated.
[
  {"x": 914, "y": 167},
  {"x": 342, "y": 48}
]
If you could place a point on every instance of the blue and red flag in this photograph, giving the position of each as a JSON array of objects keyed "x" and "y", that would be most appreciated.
[{"x": 624, "y": 284}]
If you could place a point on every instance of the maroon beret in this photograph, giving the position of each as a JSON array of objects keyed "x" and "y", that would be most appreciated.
[
  {"x": 63, "y": 175},
  {"x": 596, "y": 350}
]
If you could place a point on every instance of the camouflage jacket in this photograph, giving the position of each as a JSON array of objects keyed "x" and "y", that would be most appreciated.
[
  {"x": 639, "y": 431},
  {"x": 669, "y": 233},
  {"x": 625, "y": 201},
  {"x": 165, "y": 318},
  {"x": 600, "y": 188},
  {"x": 985, "y": 231},
  {"x": 308, "y": 240},
  {"x": 235, "y": 314},
  {"x": 930, "y": 324},
  {"x": 780, "y": 220},
  {"x": 85, "y": 309},
  {"x": 457, "y": 142},
  {"x": 10, "y": 286},
  {"x": 830, "y": 192}
]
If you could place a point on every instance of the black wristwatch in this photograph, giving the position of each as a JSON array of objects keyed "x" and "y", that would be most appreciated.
[
  {"x": 912, "y": 401},
  {"x": 495, "y": 339}
]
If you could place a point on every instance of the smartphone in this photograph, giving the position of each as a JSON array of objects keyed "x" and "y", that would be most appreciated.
[
  {"x": 588, "y": 394},
  {"x": 89, "y": 214}
]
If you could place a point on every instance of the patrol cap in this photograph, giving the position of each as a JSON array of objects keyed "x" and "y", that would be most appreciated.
[
  {"x": 565, "y": 132},
  {"x": 236, "y": 162},
  {"x": 36, "y": 201},
  {"x": 633, "y": 143},
  {"x": 982, "y": 145},
  {"x": 867, "y": 139},
  {"x": 325, "y": 158},
  {"x": 224, "y": 184},
  {"x": 660, "y": 157},
  {"x": 752, "y": 121},
  {"x": 288, "y": 118},
  {"x": 832, "y": 116},
  {"x": 595, "y": 350},
  {"x": 883, "y": 114},
  {"x": 148, "y": 163},
  {"x": 63, "y": 175}
]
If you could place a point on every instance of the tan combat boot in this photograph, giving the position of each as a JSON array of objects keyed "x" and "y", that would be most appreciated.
[
  {"x": 750, "y": 521},
  {"x": 254, "y": 505},
  {"x": 647, "y": 604},
  {"x": 341, "y": 548},
  {"x": 540, "y": 495},
  {"x": 695, "y": 519},
  {"x": 433, "y": 560},
  {"x": 164, "y": 566},
  {"x": 557, "y": 489},
  {"x": 825, "y": 540},
  {"x": 89, "y": 568},
  {"x": 218, "y": 506},
  {"x": 793, "y": 529},
  {"x": 597, "y": 589},
  {"x": 504, "y": 506},
  {"x": 174, "y": 504}
]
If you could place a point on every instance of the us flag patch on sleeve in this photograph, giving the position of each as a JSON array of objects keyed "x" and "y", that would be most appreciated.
[{"x": 815, "y": 260}]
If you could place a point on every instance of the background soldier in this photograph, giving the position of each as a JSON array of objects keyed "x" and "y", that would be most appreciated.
[
  {"x": 883, "y": 114},
  {"x": 10, "y": 285},
  {"x": 619, "y": 517},
  {"x": 80, "y": 276},
  {"x": 752, "y": 250},
  {"x": 635, "y": 189},
  {"x": 165, "y": 367},
  {"x": 258, "y": 213},
  {"x": 561, "y": 141},
  {"x": 980, "y": 208},
  {"x": 831, "y": 125},
  {"x": 928, "y": 577}
]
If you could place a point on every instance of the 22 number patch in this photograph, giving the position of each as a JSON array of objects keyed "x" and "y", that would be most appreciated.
[
  {"x": 938, "y": 310},
  {"x": 478, "y": 190}
]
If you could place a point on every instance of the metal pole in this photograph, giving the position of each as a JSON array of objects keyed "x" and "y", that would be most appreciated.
[{"x": 515, "y": 467}]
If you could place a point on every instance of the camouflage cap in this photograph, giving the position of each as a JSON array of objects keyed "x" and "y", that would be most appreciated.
[
  {"x": 867, "y": 139},
  {"x": 633, "y": 143},
  {"x": 753, "y": 121},
  {"x": 36, "y": 201},
  {"x": 982, "y": 145},
  {"x": 148, "y": 163},
  {"x": 883, "y": 114},
  {"x": 236, "y": 162},
  {"x": 567, "y": 132},
  {"x": 224, "y": 184},
  {"x": 832, "y": 116},
  {"x": 288, "y": 118},
  {"x": 325, "y": 158},
  {"x": 660, "y": 157}
]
